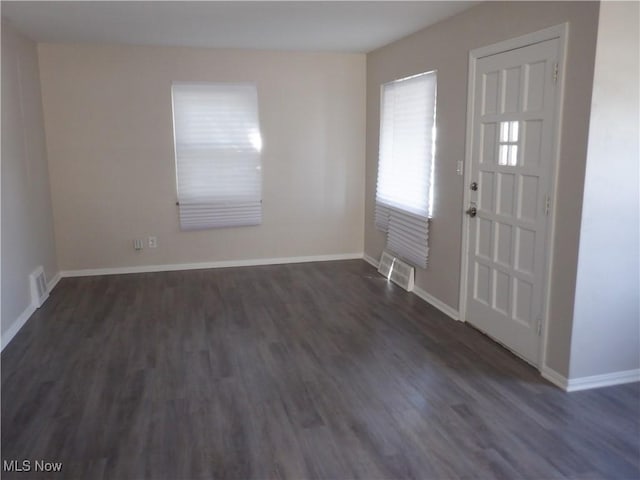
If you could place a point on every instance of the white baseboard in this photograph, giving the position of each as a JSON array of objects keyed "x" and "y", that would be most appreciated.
[
  {"x": 440, "y": 305},
  {"x": 554, "y": 377},
  {"x": 26, "y": 315},
  {"x": 204, "y": 265},
  {"x": 51, "y": 284},
  {"x": 605, "y": 380},
  {"x": 370, "y": 260},
  {"x": 594, "y": 381},
  {"x": 16, "y": 326}
]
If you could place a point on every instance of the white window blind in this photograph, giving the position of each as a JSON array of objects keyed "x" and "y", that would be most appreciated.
[
  {"x": 405, "y": 165},
  {"x": 217, "y": 146}
]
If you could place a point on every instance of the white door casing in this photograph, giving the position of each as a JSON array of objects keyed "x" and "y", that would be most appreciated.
[{"x": 512, "y": 154}]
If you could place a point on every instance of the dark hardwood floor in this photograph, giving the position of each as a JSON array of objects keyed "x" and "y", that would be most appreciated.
[{"x": 319, "y": 370}]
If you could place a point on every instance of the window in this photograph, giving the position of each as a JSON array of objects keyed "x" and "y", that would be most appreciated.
[
  {"x": 405, "y": 166},
  {"x": 217, "y": 147},
  {"x": 508, "y": 144}
]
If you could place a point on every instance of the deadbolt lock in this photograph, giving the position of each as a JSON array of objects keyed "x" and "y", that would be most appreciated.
[{"x": 474, "y": 186}]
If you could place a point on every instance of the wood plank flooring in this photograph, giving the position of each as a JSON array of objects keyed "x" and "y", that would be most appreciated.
[{"x": 319, "y": 370}]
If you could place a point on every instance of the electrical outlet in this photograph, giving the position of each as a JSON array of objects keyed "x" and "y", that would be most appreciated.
[
  {"x": 138, "y": 244},
  {"x": 153, "y": 242}
]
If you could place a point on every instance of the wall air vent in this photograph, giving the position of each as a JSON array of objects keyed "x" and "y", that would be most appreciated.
[
  {"x": 386, "y": 262},
  {"x": 399, "y": 272},
  {"x": 39, "y": 292}
]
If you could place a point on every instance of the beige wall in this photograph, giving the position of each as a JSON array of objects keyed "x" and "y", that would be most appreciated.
[
  {"x": 110, "y": 146},
  {"x": 445, "y": 47},
  {"x": 27, "y": 224},
  {"x": 606, "y": 326}
]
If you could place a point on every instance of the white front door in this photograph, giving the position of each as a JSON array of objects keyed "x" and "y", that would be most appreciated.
[{"x": 510, "y": 187}]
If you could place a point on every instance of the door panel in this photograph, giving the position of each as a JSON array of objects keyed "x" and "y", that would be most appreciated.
[{"x": 513, "y": 125}]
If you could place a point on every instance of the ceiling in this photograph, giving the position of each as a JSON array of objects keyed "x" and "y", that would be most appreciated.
[{"x": 336, "y": 26}]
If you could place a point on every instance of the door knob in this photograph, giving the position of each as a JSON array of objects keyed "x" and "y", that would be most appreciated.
[{"x": 472, "y": 212}]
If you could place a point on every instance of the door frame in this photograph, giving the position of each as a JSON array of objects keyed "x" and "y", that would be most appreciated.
[{"x": 561, "y": 33}]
